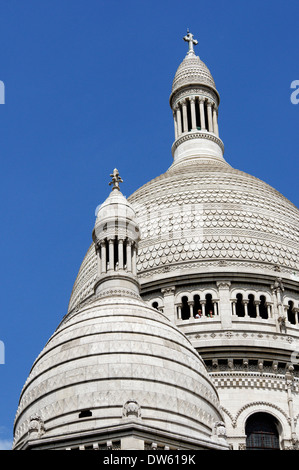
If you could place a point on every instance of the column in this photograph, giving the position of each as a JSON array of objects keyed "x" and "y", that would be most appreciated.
[
  {"x": 193, "y": 114},
  {"x": 289, "y": 386},
  {"x": 185, "y": 119},
  {"x": 134, "y": 259},
  {"x": 111, "y": 254},
  {"x": 179, "y": 311},
  {"x": 269, "y": 309},
  {"x": 99, "y": 261},
  {"x": 245, "y": 303},
  {"x": 169, "y": 308},
  {"x": 202, "y": 115},
  {"x": 203, "y": 307},
  {"x": 191, "y": 304},
  {"x": 120, "y": 254},
  {"x": 103, "y": 257},
  {"x": 129, "y": 256},
  {"x": 210, "y": 119},
  {"x": 257, "y": 304},
  {"x": 175, "y": 124},
  {"x": 215, "y": 305},
  {"x": 215, "y": 121},
  {"x": 234, "y": 307},
  {"x": 179, "y": 120},
  {"x": 225, "y": 303}
]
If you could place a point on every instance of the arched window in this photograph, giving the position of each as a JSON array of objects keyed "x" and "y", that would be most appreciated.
[
  {"x": 262, "y": 432},
  {"x": 263, "y": 311},
  {"x": 209, "y": 306},
  {"x": 291, "y": 313},
  {"x": 189, "y": 116},
  {"x": 196, "y": 306},
  {"x": 185, "y": 308},
  {"x": 198, "y": 127},
  {"x": 251, "y": 306},
  {"x": 240, "y": 311}
]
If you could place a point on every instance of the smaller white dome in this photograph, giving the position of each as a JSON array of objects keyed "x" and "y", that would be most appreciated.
[
  {"x": 116, "y": 218},
  {"x": 192, "y": 71},
  {"x": 125, "y": 363}
]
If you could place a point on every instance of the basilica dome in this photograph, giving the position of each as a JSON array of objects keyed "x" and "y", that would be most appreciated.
[{"x": 205, "y": 216}]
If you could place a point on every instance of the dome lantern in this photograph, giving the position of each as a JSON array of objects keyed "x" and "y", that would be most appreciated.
[
  {"x": 194, "y": 101},
  {"x": 116, "y": 235}
]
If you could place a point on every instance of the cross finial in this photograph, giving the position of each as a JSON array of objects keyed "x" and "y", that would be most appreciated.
[
  {"x": 189, "y": 38},
  {"x": 116, "y": 179}
]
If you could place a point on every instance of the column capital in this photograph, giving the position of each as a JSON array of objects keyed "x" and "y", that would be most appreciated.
[
  {"x": 223, "y": 284},
  {"x": 168, "y": 291}
]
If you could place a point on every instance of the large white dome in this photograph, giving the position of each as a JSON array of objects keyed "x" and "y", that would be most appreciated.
[{"x": 206, "y": 216}]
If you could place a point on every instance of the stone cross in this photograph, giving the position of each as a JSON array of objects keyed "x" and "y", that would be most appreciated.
[
  {"x": 189, "y": 38},
  {"x": 116, "y": 179}
]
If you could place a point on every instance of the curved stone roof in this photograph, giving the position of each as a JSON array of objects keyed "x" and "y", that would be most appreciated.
[
  {"x": 114, "y": 352},
  {"x": 192, "y": 71},
  {"x": 206, "y": 214}
]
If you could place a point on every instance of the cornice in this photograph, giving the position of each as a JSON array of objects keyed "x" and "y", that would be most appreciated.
[{"x": 197, "y": 135}]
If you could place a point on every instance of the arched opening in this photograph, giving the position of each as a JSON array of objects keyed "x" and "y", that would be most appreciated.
[
  {"x": 262, "y": 432},
  {"x": 185, "y": 308},
  {"x": 251, "y": 306},
  {"x": 291, "y": 313},
  {"x": 263, "y": 311},
  {"x": 189, "y": 121},
  {"x": 115, "y": 253},
  {"x": 240, "y": 311},
  {"x": 198, "y": 127},
  {"x": 197, "y": 310},
  {"x": 209, "y": 306},
  {"x": 205, "y": 124}
]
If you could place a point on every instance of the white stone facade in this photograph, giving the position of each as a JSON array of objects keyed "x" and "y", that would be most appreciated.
[{"x": 213, "y": 242}]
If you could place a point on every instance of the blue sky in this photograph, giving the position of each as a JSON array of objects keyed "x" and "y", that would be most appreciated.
[{"x": 87, "y": 84}]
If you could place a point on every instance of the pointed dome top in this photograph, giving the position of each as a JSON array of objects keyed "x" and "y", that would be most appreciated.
[
  {"x": 114, "y": 210},
  {"x": 192, "y": 71}
]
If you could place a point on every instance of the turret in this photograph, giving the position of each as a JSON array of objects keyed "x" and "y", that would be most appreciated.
[
  {"x": 194, "y": 101},
  {"x": 116, "y": 235}
]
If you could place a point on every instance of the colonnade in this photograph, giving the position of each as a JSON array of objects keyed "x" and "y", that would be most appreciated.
[
  {"x": 251, "y": 307},
  {"x": 195, "y": 113},
  {"x": 115, "y": 254}
]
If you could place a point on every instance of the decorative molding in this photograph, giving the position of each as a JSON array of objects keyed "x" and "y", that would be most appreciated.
[{"x": 197, "y": 135}]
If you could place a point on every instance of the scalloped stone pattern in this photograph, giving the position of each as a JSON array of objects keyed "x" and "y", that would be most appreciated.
[
  {"x": 210, "y": 211},
  {"x": 205, "y": 213},
  {"x": 192, "y": 70}
]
